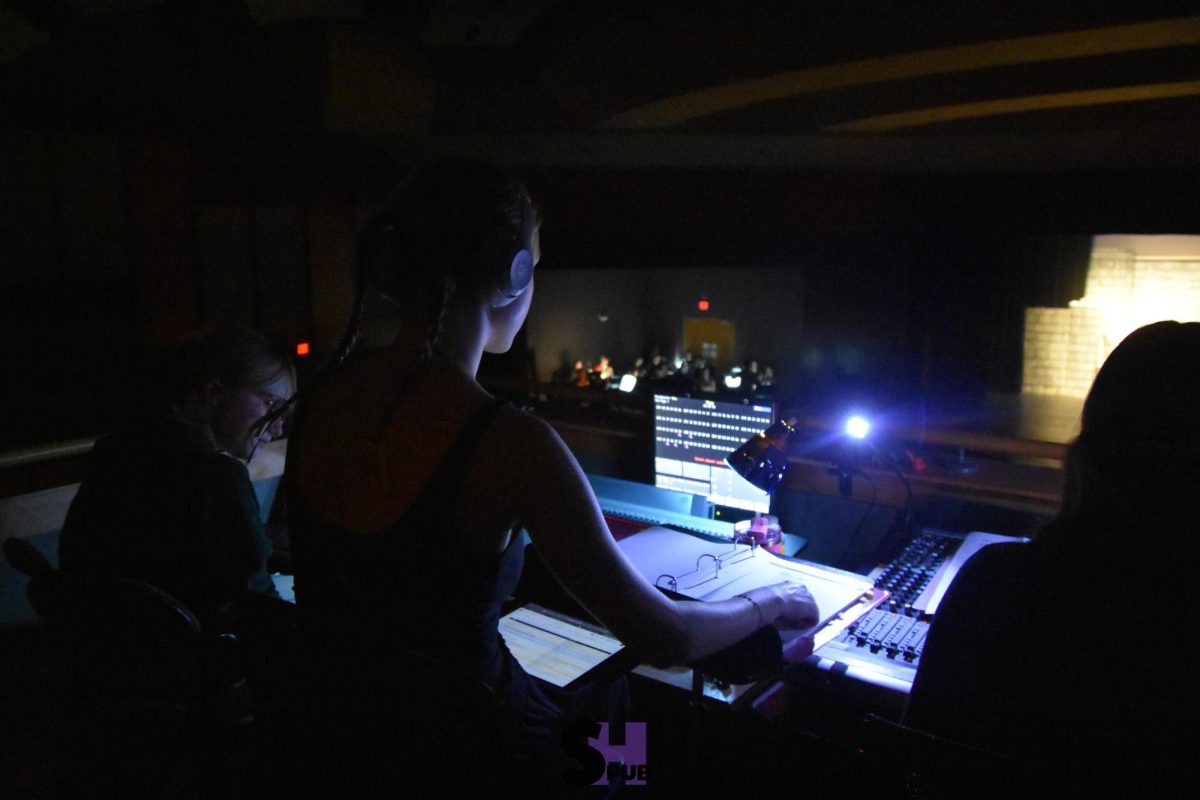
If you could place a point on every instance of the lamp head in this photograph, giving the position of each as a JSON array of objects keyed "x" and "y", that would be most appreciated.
[{"x": 762, "y": 460}]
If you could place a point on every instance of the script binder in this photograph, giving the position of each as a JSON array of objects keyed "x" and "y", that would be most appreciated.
[{"x": 707, "y": 570}]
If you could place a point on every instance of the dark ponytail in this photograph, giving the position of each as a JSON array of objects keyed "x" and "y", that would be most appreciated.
[
  {"x": 429, "y": 243},
  {"x": 438, "y": 314}
]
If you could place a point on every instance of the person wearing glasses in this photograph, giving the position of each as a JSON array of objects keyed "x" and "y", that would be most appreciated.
[
  {"x": 167, "y": 498},
  {"x": 407, "y": 484}
]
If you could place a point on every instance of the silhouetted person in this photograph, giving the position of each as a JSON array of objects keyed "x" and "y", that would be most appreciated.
[{"x": 1078, "y": 650}]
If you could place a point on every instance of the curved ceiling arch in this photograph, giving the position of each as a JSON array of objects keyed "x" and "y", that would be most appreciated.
[
  {"x": 914, "y": 118},
  {"x": 678, "y": 109}
]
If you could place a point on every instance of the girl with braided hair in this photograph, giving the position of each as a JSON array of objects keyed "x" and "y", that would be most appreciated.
[{"x": 407, "y": 483}]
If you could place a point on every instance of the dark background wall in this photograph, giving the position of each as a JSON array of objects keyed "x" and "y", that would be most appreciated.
[
  {"x": 904, "y": 283},
  {"x": 625, "y": 313},
  {"x": 166, "y": 164}
]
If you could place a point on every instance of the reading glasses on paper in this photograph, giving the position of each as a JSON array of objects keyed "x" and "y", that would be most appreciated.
[{"x": 708, "y": 566}]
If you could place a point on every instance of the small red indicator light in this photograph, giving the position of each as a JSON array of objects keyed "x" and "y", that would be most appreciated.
[
  {"x": 302, "y": 348},
  {"x": 703, "y": 304}
]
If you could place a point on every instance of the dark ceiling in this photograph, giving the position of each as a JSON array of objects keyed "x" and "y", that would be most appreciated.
[
  {"x": 917, "y": 163},
  {"x": 906, "y": 86}
]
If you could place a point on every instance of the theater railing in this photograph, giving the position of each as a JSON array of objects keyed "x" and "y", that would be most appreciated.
[
  {"x": 37, "y": 484},
  {"x": 611, "y": 432}
]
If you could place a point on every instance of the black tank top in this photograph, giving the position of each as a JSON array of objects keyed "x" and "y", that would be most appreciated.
[{"x": 408, "y": 586}]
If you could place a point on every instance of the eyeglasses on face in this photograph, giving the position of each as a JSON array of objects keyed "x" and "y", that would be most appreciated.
[{"x": 270, "y": 401}]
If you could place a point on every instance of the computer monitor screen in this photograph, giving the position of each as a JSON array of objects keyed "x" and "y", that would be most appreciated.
[{"x": 692, "y": 437}]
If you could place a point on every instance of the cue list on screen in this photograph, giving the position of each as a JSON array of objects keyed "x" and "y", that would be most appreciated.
[{"x": 692, "y": 437}]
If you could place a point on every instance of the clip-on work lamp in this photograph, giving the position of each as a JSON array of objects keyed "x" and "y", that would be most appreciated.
[{"x": 762, "y": 460}]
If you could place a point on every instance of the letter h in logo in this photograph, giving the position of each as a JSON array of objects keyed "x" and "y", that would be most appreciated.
[{"x": 628, "y": 750}]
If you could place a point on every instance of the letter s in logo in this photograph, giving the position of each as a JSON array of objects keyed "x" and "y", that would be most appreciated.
[{"x": 575, "y": 745}]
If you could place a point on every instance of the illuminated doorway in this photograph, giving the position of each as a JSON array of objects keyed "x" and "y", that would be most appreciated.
[
  {"x": 710, "y": 339},
  {"x": 1132, "y": 281}
]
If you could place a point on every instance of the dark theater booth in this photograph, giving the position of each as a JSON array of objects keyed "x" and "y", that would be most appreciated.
[{"x": 942, "y": 218}]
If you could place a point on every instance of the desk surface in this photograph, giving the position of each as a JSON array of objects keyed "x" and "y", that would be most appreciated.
[{"x": 681, "y": 677}]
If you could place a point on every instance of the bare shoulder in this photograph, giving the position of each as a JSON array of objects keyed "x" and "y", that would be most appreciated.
[
  {"x": 524, "y": 426},
  {"x": 527, "y": 443}
]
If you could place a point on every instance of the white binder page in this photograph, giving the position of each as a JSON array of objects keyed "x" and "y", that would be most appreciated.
[{"x": 710, "y": 571}]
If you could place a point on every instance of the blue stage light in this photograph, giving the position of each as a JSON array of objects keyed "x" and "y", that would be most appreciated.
[{"x": 857, "y": 427}]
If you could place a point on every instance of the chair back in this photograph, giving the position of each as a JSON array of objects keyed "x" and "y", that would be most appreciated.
[
  {"x": 26, "y": 558},
  {"x": 126, "y": 640},
  {"x": 42, "y": 588},
  {"x": 119, "y": 639}
]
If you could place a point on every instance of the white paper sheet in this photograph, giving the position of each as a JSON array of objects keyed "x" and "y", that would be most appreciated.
[{"x": 693, "y": 563}]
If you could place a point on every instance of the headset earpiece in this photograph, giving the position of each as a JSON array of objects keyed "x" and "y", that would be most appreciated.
[
  {"x": 517, "y": 257},
  {"x": 520, "y": 273}
]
